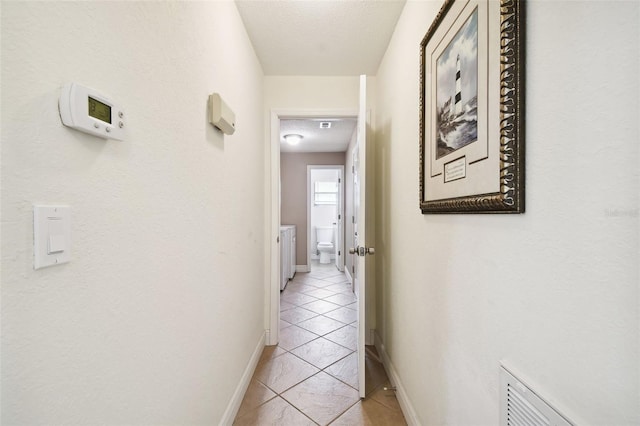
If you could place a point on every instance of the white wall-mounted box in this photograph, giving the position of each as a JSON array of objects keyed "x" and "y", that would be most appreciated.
[{"x": 220, "y": 115}]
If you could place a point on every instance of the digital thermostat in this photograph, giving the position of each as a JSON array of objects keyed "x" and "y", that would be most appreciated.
[{"x": 85, "y": 109}]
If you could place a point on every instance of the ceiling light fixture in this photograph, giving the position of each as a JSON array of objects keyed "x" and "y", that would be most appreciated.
[{"x": 293, "y": 139}]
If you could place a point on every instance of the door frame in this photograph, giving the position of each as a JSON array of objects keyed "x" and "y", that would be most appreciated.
[
  {"x": 272, "y": 291},
  {"x": 340, "y": 227}
]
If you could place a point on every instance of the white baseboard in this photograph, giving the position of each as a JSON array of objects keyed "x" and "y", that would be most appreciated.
[
  {"x": 302, "y": 268},
  {"x": 405, "y": 404},
  {"x": 234, "y": 405}
]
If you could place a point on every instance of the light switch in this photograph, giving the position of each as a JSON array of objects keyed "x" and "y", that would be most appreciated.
[
  {"x": 52, "y": 235},
  {"x": 56, "y": 244}
]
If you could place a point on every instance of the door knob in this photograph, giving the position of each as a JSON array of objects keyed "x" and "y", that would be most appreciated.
[{"x": 362, "y": 251}]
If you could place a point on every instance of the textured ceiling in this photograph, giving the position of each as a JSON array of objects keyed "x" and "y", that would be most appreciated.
[
  {"x": 334, "y": 139},
  {"x": 320, "y": 37}
]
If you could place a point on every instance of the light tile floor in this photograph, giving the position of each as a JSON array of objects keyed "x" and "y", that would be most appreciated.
[{"x": 311, "y": 377}]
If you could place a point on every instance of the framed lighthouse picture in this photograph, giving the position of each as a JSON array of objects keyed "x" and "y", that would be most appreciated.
[{"x": 472, "y": 109}]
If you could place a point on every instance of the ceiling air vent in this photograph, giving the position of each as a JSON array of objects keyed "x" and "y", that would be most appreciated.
[
  {"x": 520, "y": 406},
  {"x": 325, "y": 124}
]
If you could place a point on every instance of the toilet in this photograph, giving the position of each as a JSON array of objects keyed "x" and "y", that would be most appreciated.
[{"x": 324, "y": 237}]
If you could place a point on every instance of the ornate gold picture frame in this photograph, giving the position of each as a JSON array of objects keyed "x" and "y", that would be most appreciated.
[{"x": 472, "y": 109}]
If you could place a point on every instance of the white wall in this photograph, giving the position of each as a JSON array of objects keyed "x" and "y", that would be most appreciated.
[
  {"x": 311, "y": 92},
  {"x": 553, "y": 292},
  {"x": 156, "y": 317}
]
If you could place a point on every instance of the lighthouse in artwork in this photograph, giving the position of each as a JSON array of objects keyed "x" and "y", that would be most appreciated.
[{"x": 458, "y": 100}]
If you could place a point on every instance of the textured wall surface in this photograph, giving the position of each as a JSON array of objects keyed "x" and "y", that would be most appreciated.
[
  {"x": 553, "y": 292},
  {"x": 156, "y": 316}
]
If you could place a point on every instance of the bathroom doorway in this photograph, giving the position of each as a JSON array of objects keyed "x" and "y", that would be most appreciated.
[
  {"x": 320, "y": 137},
  {"x": 325, "y": 216}
]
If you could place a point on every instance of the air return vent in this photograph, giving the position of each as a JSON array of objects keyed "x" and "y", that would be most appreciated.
[
  {"x": 520, "y": 406},
  {"x": 325, "y": 124}
]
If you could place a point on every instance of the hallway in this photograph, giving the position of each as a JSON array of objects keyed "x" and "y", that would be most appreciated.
[{"x": 311, "y": 377}]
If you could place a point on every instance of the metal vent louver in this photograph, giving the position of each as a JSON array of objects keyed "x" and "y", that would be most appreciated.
[{"x": 520, "y": 406}]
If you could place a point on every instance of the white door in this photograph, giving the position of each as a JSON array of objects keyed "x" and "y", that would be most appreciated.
[{"x": 360, "y": 248}]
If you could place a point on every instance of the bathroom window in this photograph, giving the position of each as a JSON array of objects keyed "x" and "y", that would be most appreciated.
[{"x": 325, "y": 193}]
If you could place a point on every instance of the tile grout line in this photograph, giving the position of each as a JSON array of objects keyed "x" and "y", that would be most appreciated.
[{"x": 302, "y": 291}]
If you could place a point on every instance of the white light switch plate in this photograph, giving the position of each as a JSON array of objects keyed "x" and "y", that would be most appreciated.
[{"x": 51, "y": 235}]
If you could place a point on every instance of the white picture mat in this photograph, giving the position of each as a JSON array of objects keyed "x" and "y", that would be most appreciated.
[{"x": 482, "y": 177}]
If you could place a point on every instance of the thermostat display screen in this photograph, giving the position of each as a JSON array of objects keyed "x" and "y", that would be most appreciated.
[{"x": 99, "y": 110}]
